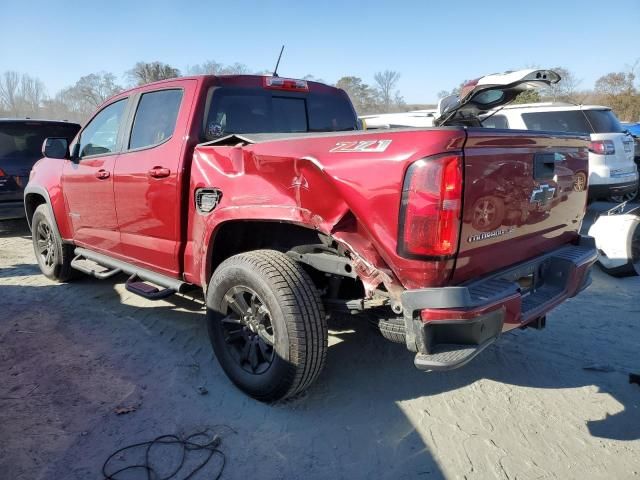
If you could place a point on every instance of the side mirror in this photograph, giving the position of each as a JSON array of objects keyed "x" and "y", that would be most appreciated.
[
  {"x": 75, "y": 153},
  {"x": 55, "y": 147}
]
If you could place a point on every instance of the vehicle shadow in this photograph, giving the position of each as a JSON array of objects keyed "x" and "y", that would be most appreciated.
[
  {"x": 368, "y": 416},
  {"x": 14, "y": 228}
]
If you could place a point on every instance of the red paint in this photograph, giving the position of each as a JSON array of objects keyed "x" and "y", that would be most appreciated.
[{"x": 151, "y": 220}]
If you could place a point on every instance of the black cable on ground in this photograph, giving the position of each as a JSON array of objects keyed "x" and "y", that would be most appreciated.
[{"x": 199, "y": 441}]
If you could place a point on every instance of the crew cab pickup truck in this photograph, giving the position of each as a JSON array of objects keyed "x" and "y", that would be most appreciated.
[{"x": 262, "y": 192}]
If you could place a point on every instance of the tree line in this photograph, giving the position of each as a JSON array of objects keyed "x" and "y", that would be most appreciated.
[{"x": 23, "y": 95}]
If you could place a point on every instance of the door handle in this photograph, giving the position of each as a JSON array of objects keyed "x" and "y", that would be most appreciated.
[
  {"x": 102, "y": 174},
  {"x": 159, "y": 172}
]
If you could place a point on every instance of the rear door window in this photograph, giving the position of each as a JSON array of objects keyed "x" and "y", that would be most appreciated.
[
  {"x": 155, "y": 118},
  {"x": 603, "y": 121}
]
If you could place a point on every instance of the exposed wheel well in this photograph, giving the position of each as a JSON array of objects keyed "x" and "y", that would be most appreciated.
[
  {"x": 240, "y": 236},
  {"x": 31, "y": 202}
]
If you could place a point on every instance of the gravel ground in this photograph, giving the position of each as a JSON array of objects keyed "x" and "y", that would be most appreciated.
[{"x": 538, "y": 404}]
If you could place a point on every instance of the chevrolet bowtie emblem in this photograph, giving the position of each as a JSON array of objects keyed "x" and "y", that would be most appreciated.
[{"x": 543, "y": 194}]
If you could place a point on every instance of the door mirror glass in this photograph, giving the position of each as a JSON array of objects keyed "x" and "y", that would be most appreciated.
[{"x": 55, "y": 147}]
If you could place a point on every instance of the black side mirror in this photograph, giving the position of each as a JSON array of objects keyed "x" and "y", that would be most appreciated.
[
  {"x": 75, "y": 153},
  {"x": 55, "y": 147}
]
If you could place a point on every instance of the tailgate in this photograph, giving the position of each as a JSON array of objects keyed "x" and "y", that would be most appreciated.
[{"x": 524, "y": 194}]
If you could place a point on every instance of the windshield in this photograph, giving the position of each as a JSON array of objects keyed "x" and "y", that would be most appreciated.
[
  {"x": 243, "y": 110},
  {"x": 579, "y": 121},
  {"x": 23, "y": 140}
]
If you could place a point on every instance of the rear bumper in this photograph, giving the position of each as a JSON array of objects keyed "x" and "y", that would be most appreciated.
[
  {"x": 11, "y": 210},
  {"x": 607, "y": 190},
  {"x": 449, "y": 326}
]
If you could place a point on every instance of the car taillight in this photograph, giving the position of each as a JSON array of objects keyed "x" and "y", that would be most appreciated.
[
  {"x": 431, "y": 207},
  {"x": 292, "y": 84},
  {"x": 2, "y": 174},
  {"x": 602, "y": 147}
]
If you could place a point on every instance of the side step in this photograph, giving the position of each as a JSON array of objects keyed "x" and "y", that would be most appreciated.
[
  {"x": 92, "y": 268},
  {"x": 105, "y": 267},
  {"x": 449, "y": 356},
  {"x": 146, "y": 290}
]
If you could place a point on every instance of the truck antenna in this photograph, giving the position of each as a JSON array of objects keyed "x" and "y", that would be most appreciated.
[{"x": 275, "y": 70}]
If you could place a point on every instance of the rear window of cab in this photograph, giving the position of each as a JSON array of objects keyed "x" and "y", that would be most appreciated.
[{"x": 249, "y": 110}]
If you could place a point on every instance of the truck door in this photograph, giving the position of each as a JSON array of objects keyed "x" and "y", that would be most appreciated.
[
  {"x": 87, "y": 182},
  {"x": 147, "y": 176}
]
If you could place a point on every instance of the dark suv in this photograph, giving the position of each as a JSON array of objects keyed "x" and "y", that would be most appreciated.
[{"x": 20, "y": 147}]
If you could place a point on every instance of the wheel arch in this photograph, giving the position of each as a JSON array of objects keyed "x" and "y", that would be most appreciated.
[
  {"x": 242, "y": 235},
  {"x": 34, "y": 196}
]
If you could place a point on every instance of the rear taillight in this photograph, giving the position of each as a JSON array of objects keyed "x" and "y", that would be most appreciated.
[
  {"x": 291, "y": 84},
  {"x": 602, "y": 147},
  {"x": 2, "y": 174},
  {"x": 431, "y": 207}
]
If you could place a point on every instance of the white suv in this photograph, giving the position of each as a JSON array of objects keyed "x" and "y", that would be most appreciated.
[{"x": 612, "y": 171}]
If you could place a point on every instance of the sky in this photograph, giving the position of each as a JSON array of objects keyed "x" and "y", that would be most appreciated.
[{"x": 433, "y": 44}]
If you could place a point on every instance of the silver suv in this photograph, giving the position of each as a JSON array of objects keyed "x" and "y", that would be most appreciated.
[{"x": 613, "y": 174}]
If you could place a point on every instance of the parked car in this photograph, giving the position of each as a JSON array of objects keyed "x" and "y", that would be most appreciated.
[
  {"x": 414, "y": 118},
  {"x": 20, "y": 147},
  {"x": 613, "y": 175},
  {"x": 261, "y": 192},
  {"x": 634, "y": 130}
]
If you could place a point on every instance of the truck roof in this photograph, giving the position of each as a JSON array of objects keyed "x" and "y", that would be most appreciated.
[{"x": 236, "y": 80}]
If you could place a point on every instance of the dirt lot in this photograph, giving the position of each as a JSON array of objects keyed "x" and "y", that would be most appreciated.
[{"x": 548, "y": 404}]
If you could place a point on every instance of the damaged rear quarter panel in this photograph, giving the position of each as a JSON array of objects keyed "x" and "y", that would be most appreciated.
[{"x": 302, "y": 181}]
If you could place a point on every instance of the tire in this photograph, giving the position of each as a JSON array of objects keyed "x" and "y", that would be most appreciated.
[
  {"x": 488, "y": 213},
  {"x": 262, "y": 297},
  {"x": 392, "y": 329},
  {"x": 632, "y": 267},
  {"x": 628, "y": 197},
  {"x": 53, "y": 256}
]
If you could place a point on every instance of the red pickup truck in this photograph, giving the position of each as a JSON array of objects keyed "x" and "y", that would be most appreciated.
[{"x": 264, "y": 193}]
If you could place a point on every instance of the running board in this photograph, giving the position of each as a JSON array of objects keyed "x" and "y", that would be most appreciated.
[
  {"x": 92, "y": 268},
  {"x": 114, "y": 266}
]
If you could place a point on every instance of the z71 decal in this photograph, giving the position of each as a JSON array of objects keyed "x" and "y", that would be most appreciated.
[{"x": 363, "y": 146}]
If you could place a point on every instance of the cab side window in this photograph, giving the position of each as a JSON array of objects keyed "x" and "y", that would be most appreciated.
[
  {"x": 101, "y": 134},
  {"x": 155, "y": 118}
]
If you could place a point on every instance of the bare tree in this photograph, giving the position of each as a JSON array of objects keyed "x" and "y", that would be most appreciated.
[
  {"x": 234, "y": 69},
  {"x": 9, "y": 85},
  {"x": 32, "y": 94},
  {"x": 386, "y": 83},
  {"x": 566, "y": 89},
  {"x": 147, "y": 72},
  {"x": 210, "y": 67},
  {"x": 363, "y": 97}
]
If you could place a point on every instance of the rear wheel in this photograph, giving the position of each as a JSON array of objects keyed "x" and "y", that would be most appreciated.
[
  {"x": 53, "y": 256},
  {"x": 266, "y": 324}
]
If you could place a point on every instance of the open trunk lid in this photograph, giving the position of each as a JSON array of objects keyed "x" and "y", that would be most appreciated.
[
  {"x": 488, "y": 92},
  {"x": 521, "y": 197}
]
